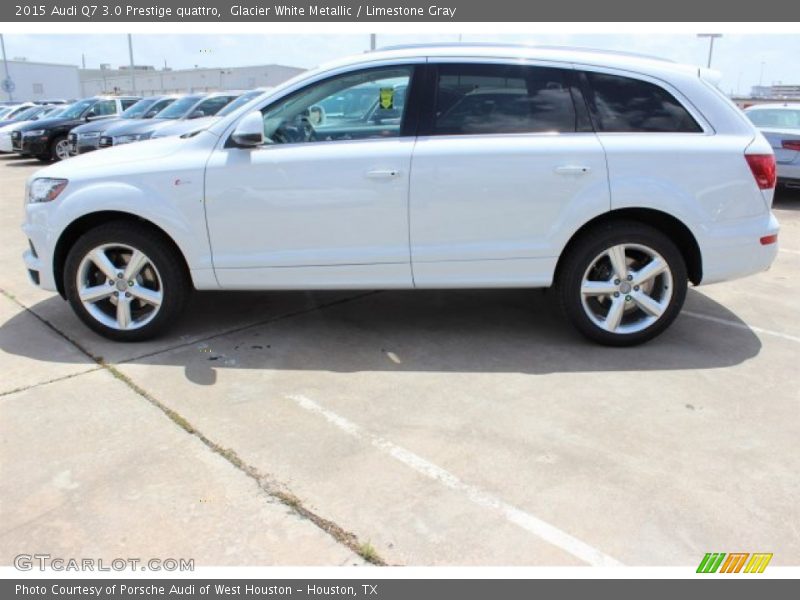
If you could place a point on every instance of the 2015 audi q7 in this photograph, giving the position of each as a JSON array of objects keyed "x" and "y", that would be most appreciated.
[{"x": 616, "y": 179}]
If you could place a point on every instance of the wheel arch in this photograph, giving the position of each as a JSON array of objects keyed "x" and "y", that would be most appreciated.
[
  {"x": 669, "y": 225},
  {"x": 91, "y": 220}
]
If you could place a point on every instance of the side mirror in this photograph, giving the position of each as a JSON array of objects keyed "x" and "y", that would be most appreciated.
[
  {"x": 249, "y": 130},
  {"x": 197, "y": 114},
  {"x": 151, "y": 114},
  {"x": 90, "y": 115}
]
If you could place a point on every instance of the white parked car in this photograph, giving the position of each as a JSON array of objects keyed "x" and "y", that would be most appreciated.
[
  {"x": 780, "y": 124},
  {"x": 614, "y": 178}
]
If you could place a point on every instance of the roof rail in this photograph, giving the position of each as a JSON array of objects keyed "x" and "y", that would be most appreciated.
[{"x": 518, "y": 45}]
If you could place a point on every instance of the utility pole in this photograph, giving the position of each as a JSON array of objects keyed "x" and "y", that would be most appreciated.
[
  {"x": 372, "y": 41},
  {"x": 711, "y": 37},
  {"x": 133, "y": 70},
  {"x": 8, "y": 85}
]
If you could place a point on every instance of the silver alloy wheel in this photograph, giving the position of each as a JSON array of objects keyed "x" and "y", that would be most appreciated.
[
  {"x": 626, "y": 288},
  {"x": 119, "y": 286},
  {"x": 62, "y": 149}
]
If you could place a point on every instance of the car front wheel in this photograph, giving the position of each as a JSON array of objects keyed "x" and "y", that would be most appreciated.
[
  {"x": 622, "y": 283},
  {"x": 59, "y": 149},
  {"x": 125, "y": 281}
]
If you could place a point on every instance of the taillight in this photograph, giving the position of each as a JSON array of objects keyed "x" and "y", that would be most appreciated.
[
  {"x": 769, "y": 239},
  {"x": 763, "y": 168},
  {"x": 791, "y": 145}
]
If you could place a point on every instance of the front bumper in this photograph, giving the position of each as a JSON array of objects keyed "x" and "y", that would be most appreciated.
[
  {"x": 37, "y": 258},
  {"x": 33, "y": 145},
  {"x": 5, "y": 143},
  {"x": 78, "y": 145},
  {"x": 732, "y": 249}
]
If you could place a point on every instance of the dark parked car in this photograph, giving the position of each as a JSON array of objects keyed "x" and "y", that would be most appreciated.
[
  {"x": 47, "y": 139},
  {"x": 85, "y": 138}
]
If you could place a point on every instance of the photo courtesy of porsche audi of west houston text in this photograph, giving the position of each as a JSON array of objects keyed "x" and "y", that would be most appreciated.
[
  {"x": 615, "y": 179},
  {"x": 237, "y": 10}
]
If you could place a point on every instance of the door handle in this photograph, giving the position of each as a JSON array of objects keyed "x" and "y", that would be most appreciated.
[
  {"x": 572, "y": 170},
  {"x": 383, "y": 173}
]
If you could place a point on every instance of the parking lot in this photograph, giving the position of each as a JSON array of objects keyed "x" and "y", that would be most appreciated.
[{"x": 411, "y": 428}]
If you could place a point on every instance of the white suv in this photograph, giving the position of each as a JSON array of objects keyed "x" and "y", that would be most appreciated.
[{"x": 614, "y": 178}]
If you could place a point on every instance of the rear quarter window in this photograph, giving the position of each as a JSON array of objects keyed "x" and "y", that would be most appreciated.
[{"x": 622, "y": 105}]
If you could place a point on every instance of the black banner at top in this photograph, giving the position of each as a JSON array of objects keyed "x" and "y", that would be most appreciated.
[{"x": 406, "y": 11}]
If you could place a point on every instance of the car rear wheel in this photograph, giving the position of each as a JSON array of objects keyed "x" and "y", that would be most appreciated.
[
  {"x": 622, "y": 283},
  {"x": 125, "y": 281}
]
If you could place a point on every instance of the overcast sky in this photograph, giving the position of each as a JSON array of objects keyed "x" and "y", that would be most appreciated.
[{"x": 739, "y": 57}]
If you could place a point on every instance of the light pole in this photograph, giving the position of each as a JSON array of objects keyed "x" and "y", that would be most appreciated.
[
  {"x": 133, "y": 70},
  {"x": 372, "y": 41},
  {"x": 711, "y": 37},
  {"x": 9, "y": 85}
]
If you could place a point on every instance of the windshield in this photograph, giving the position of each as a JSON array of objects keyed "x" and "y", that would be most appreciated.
[
  {"x": 775, "y": 118},
  {"x": 53, "y": 111},
  {"x": 77, "y": 109},
  {"x": 28, "y": 113},
  {"x": 139, "y": 109},
  {"x": 178, "y": 108},
  {"x": 240, "y": 101}
]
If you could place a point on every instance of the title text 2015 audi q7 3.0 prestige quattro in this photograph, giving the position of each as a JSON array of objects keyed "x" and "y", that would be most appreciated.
[{"x": 615, "y": 179}]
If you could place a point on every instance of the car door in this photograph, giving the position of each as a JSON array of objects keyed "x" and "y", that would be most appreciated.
[
  {"x": 505, "y": 170},
  {"x": 324, "y": 202}
]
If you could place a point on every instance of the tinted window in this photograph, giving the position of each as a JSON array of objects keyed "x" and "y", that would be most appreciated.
[
  {"x": 775, "y": 117},
  {"x": 212, "y": 106},
  {"x": 179, "y": 108},
  {"x": 622, "y": 104},
  {"x": 128, "y": 102},
  {"x": 486, "y": 99},
  {"x": 360, "y": 105},
  {"x": 104, "y": 108}
]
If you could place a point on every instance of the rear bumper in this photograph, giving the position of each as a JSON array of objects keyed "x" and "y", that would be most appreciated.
[
  {"x": 732, "y": 249},
  {"x": 789, "y": 173}
]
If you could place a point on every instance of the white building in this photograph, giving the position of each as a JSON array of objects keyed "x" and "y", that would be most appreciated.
[
  {"x": 41, "y": 81},
  {"x": 149, "y": 81}
]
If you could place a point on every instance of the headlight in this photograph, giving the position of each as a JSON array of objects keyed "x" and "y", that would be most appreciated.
[
  {"x": 89, "y": 136},
  {"x": 45, "y": 189},
  {"x": 135, "y": 137},
  {"x": 34, "y": 132}
]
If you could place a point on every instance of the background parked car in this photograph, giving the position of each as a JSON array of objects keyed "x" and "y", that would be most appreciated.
[
  {"x": 86, "y": 137},
  {"x": 8, "y": 112},
  {"x": 46, "y": 112},
  {"x": 183, "y": 126},
  {"x": 47, "y": 139},
  {"x": 780, "y": 124},
  {"x": 192, "y": 106}
]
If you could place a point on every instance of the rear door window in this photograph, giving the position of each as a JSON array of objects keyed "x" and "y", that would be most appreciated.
[
  {"x": 500, "y": 99},
  {"x": 623, "y": 104}
]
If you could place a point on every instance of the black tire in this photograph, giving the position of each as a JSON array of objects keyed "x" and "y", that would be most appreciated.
[
  {"x": 161, "y": 254},
  {"x": 53, "y": 154},
  {"x": 45, "y": 158},
  {"x": 578, "y": 258}
]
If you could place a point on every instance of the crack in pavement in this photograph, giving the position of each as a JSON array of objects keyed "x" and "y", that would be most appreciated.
[
  {"x": 25, "y": 388},
  {"x": 265, "y": 484}
]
